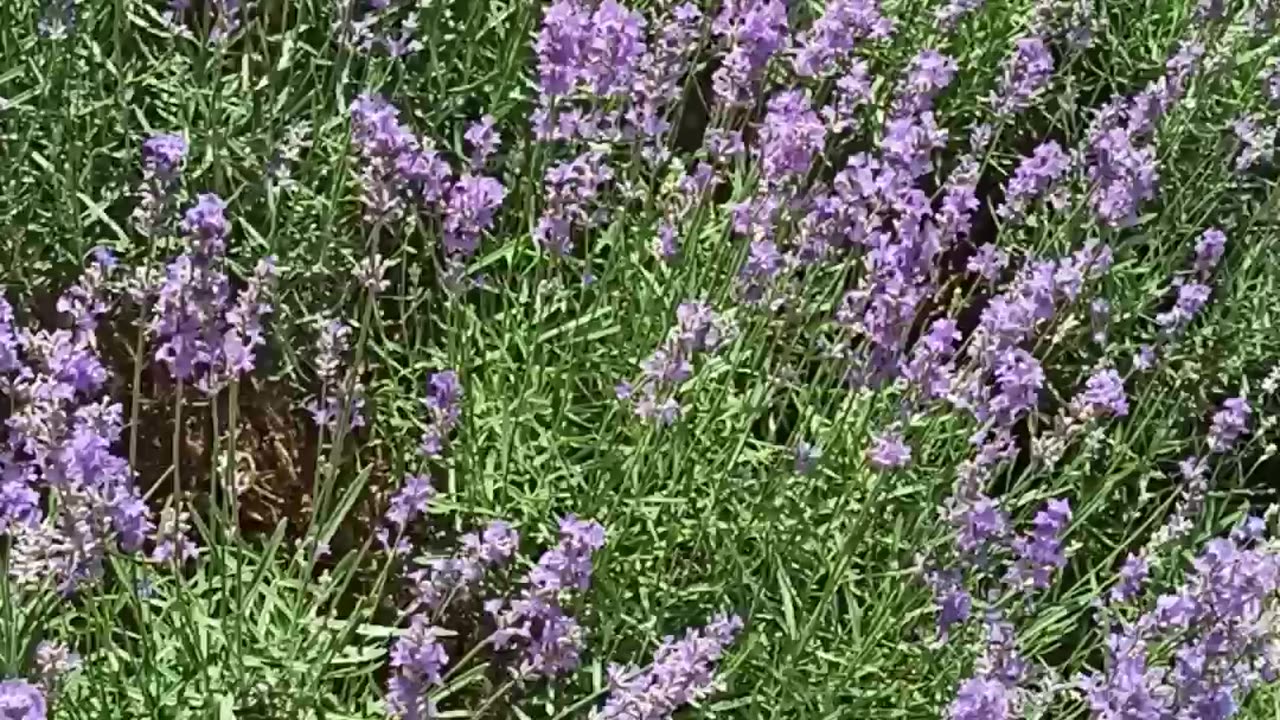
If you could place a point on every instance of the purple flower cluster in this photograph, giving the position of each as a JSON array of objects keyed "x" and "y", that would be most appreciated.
[
  {"x": 400, "y": 172},
  {"x": 1026, "y": 73},
  {"x": 823, "y": 48},
  {"x": 1190, "y": 300},
  {"x": 444, "y": 411},
  {"x": 439, "y": 580},
  {"x": 418, "y": 661},
  {"x": 1215, "y": 630},
  {"x": 549, "y": 639},
  {"x": 682, "y": 672},
  {"x": 948, "y": 16},
  {"x": 332, "y": 343},
  {"x": 1271, "y": 81},
  {"x": 751, "y": 31},
  {"x": 367, "y": 26},
  {"x": 699, "y": 329},
  {"x": 791, "y": 137},
  {"x": 202, "y": 338},
  {"x": 1103, "y": 396},
  {"x": 410, "y": 502},
  {"x": 573, "y": 201},
  {"x": 1039, "y": 553},
  {"x": 1123, "y": 176},
  {"x": 663, "y": 69},
  {"x": 597, "y": 50},
  {"x": 992, "y": 692},
  {"x": 20, "y": 700},
  {"x": 162, "y": 157},
  {"x": 889, "y": 451},
  {"x": 1229, "y": 424},
  {"x": 928, "y": 73},
  {"x": 1257, "y": 141},
  {"x": 61, "y": 435},
  {"x": 852, "y": 91},
  {"x": 1209, "y": 250},
  {"x": 1034, "y": 178}
]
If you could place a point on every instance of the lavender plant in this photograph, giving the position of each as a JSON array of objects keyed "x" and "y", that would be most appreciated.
[{"x": 605, "y": 359}]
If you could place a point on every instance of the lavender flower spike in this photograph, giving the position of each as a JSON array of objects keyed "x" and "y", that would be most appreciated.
[
  {"x": 20, "y": 700},
  {"x": 681, "y": 673}
]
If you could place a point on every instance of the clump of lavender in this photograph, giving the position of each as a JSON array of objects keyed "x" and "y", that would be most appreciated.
[
  {"x": 1035, "y": 177},
  {"x": 20, "y": 700},
  {"x": 368, "y": 26},
  {"x": 699, "y": 329},
  {"x": 1123, "y": 175},
  {"x": 1214, "y": 626},
  {"x": 823, "y": 48},
  {"x": 54, "y": 661},
  {"x": 436, "y": 581},
  {"x": 201, "y": 339},
  {"x": 682, "y": 672},
  {"x": 852, "y": 91},
  {"x": 573, "y": 201},
  {"x": 1271, "y": 81},
  {"x": 889, "y": 451},
  {"x": 1191, "y": 298},
  {"x": 332, "y": 344},
  {"x": 410, "y": 502},
  {"x": 444, "y": 411},
  {"x": 61, "y": 438},
  {"x": 162, "y": 157},
  {"x": 1229, "y": 424},
  {"x": 790, "y": 138},
  {"x": 928, "y": 73},
  {"x": 472, "y": 203},
  {"x": 396, "y": 169},
  {"x": 1039, "y": 553},
  {"x": 1209, "y": 250},
  {"x": 1026, "y": 73},
  {"x": 549, "y": 640},
  {"x": 992, "y": 693},
  {"x": 417, "y": 662},
  {"x": 948, "y": 16},
  {"x": 1257, "y": 141},
  {"x": 1103, "y": 396},
  {"x": 751, "y": 32}
]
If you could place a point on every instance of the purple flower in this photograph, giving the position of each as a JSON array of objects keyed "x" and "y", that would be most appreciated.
[
  {"x": 889, "y": 451},
  {"x": 988, "y": 262},
  {"x": 853, "y": 90},
  {"x": 20, "y": 700},
  {"x": 550, "y": 640},
  {"x": 928, "y": 74},
  {"x": 1271, "y": 81},
  {"x": 454, "y": 577},
  {"x": 682, "y": 672},
  {"x": 395, "y": 167},
  {"x": 172, "y": 544},
  {"x": 1026, "y": 73},
  {"x": 909, "y": 142},
  {"x": 663, "y": 70},
  {"x": 1257, "y": 141},
  {"x": 832, "y": 37},
  {"x": 418, "y": 661},
  {"x": 1019, "y": 378},
  {"x": 1133, "y": 575},
  {"x": 724, "y": 145},
  {"x": 930, "y": 369},
  {"x": 1103, "y": 396},
  {"x": 1123, "y": 175},
  {"x": 1191, "y": 298},
  {"x": 1035, "y": 177},
  {"x": 444, "y": 410},
  {"x": 790, "y": 138},
  {"x": 483, "y": 139},
  {"x": 953, "y": 601},
  {"x": 751, "y": 31},
  {"x": 981, "y": 698},
  {"x": 162, "y": 154},
  {"x": 1229, "y": 424},
  {"x": 573, "y": 191},
  {"x": 949, "y": 15},
  {"x": 1039, "y": 553},
  {"x": 410, "y": 501},
  {"x": 1209, "y": 250},
  {"x": 469, "y": 212}
]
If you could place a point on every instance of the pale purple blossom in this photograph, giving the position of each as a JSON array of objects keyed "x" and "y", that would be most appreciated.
[
  {"x": 1026, "y": 73},
  {"x": 1209, "y": 249},
  {"x": 889, "y": 451},
  {"x": 1229, "y": 423}
]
